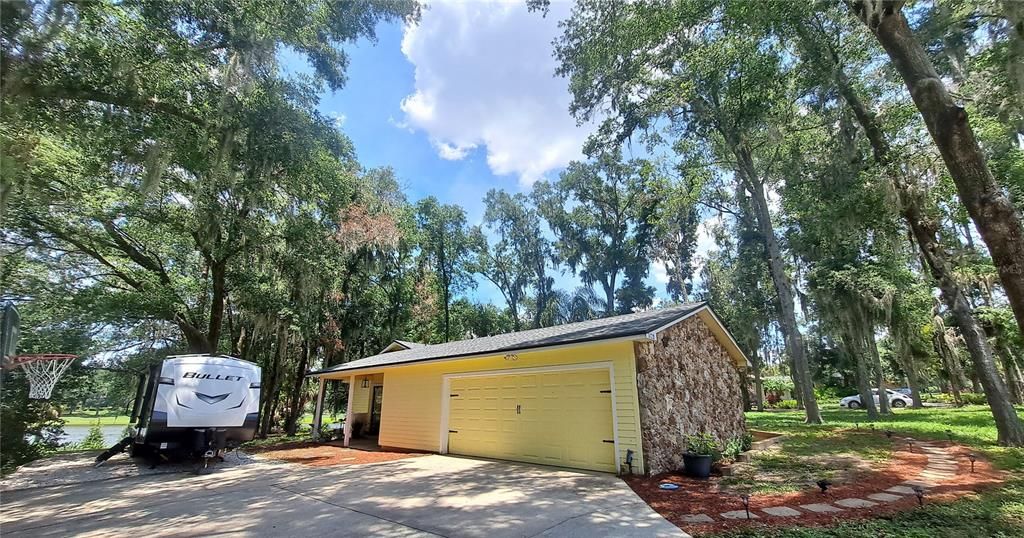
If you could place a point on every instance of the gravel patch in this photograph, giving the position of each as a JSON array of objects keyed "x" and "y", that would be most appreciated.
[{"x": 78, "y": 467}]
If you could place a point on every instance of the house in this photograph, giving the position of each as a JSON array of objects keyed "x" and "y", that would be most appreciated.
[{"x": 615, "y": 394}]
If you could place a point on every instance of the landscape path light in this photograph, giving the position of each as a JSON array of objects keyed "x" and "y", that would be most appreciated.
[
  {"x": 919, "y": 492},
  {"x": 973, "y": 457},
  {"x": 745, "y": 497}
]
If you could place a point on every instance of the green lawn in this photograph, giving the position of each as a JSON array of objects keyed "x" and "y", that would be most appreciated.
[
  {"x": 88, "y": 417},
  {"x": 998, "y": 513},
  {"x": 109, "y": 417},
  {"x": 971, "y": 425}
]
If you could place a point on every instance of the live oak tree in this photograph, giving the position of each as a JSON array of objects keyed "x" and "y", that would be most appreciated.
[
  {"x": 997, "y": 219},
  {"x": 601, "y": 212},
  {"x": 645, "y": 62},
  {"x": 447, "y": 245},
  {"x": 518, "y": 261},
  {"x": 148, "y": 136}
]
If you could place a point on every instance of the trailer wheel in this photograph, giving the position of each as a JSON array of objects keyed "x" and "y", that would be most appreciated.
[{"x": 203, "y": 466}]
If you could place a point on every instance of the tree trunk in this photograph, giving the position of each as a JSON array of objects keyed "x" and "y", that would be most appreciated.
[
  {"x": 913, "y": 381},
  {"x": 996, "y": 218},
  {"x": 274, "y": 374},
  {"x": 1011, "y": 430},
  {"x": 194, "y": 338},
  {"x": 1008, "y": 424},
  {"x": 217, "y": 275},
  {"x": 783, "y": 287},
  {"x": 295, "y": 401},
  {"x": 755, "y": 362},
  {"x": 853, "y": 347},
  {"x": 876, "y": 361},
  {"x": 953, "y": 373},
  {"x": 1010, "y": 370}
]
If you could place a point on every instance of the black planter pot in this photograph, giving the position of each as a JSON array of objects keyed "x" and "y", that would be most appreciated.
[{"x": 697, "y": 465}]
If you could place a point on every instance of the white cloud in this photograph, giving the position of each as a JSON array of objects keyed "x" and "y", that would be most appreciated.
[
  {"x": 705, "y": 242},
  {"x": 485, "y": 79},
  {"x": 338, "y": 118},
  {"x": 659, "y": 272}
]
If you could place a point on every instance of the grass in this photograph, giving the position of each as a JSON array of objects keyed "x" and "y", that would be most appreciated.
[
  {"x": 115, "y": 417},
  {"x": 998, "y": 512},
  {"x": 88, "y": 417},
  {"x": 971, "y": 425}
]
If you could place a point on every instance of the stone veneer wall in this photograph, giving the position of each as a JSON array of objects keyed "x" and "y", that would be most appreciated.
[{"x": 688, "y": 384}]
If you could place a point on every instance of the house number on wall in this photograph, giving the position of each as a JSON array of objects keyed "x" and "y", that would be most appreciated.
[{"x": 511, "y": 357}]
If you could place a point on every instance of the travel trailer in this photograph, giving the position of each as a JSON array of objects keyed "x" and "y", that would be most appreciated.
[{"x": 193, "y": 407}]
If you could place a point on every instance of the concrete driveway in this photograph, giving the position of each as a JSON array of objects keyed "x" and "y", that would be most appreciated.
[{"x": 424, "y": 496}]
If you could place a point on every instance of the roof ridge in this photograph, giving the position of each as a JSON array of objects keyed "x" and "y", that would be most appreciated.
[{"x": 568, "y": 326}]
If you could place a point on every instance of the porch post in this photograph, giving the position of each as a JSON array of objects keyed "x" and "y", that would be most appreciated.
[
  {"x": 348, "y": 410},
  {"x": 318, "y": 415}
]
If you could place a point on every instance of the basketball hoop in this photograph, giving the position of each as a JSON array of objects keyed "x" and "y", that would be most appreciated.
[{"x": 43, "y": 371}]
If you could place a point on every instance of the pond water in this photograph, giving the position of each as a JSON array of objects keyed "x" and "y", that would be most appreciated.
[{"x": 75, "y": 434}]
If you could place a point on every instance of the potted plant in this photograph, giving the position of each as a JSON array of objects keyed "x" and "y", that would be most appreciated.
[{"x": 700, "y": 451}]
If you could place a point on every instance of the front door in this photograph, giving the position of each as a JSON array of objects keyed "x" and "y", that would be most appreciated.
[{"x": 375, "y": 405}]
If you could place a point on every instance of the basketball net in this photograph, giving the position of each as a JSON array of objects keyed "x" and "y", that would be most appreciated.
[{"x": 43, "y": 372}]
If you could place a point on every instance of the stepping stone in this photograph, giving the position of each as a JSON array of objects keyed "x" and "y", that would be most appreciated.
[
  {"x": 820, "y": 508},
  {"x": 781, "y": 511},
  {"x": 922, "y": 483},
  {"x": 697, "y": 518},
  {"x": 738, "y": 514},
  {"x": 884, "y": 497},
  {"x": 902, "y": 490},
  {"x": 856, "y": 503}
]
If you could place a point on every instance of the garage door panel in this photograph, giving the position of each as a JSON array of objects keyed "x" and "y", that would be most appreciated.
[{"x": 555, "y": 418}]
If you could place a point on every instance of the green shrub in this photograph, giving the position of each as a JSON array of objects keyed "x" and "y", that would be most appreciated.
[
  {"x": 93, "y": 440},
  {"x": 702, "y": 444},
  {"x": 784, "y": 404},
  {"x": 973, "y": 398},
  {"x": 746, "y": 441},
  {"x": 733, "y": 448},
  {"x": 830, "y": 393}
]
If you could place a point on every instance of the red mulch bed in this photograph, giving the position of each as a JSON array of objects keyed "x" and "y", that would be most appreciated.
[
  {"x": 317, "y": 455},
  {"x": 705, "y": 497}
]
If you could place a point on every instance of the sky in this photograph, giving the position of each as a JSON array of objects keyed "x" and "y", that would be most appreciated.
[{"x": 463, "y": 102}]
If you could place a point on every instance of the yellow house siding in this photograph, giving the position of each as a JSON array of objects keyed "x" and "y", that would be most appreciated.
[
  {"x": 360, "y": 397},
  {"x": 411, "y": 413}
]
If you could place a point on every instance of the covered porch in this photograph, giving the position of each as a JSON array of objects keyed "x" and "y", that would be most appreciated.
[{"x": 361, "y": 426}]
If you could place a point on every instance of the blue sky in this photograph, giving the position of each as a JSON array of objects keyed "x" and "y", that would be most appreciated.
[{"x": 461, "y": 103}]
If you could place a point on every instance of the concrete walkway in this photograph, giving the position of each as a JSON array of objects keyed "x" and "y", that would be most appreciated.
[{"x": 425, "y": 496}]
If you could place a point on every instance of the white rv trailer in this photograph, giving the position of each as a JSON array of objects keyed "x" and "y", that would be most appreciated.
[{"x": 193, "y": 407}]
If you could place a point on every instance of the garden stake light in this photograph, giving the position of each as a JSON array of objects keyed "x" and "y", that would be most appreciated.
[
  {"x": 949, "y": 434},
  {"x": 919, "y": 491},
  {"x": 888, "y": 434},
  {"x": 746, "y": 503},
  {"x": 973, "y": 457},
  {"x": 823, "y": 484},
  {"x": 910, "y": 444}
]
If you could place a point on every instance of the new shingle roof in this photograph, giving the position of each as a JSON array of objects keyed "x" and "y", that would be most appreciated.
[{"x": 636, "y": 324}]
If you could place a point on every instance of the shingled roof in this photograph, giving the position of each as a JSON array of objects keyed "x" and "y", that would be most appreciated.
[{"x": 637, "y": 324}]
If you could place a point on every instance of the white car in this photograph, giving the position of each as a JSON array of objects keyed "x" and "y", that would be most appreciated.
[{"x": 895, "y": 400}]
